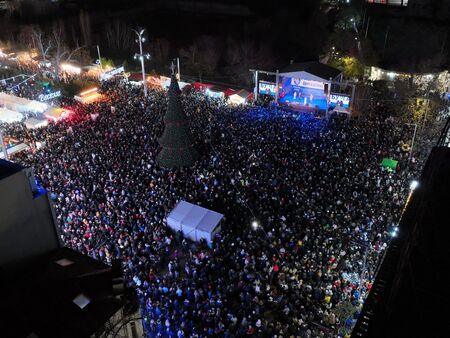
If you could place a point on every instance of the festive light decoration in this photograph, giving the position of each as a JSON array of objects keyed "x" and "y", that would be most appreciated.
[{"x": 176, "y": 141}]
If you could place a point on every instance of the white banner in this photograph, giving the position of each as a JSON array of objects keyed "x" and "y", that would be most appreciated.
[
  {"x": 109, "y": 74},
  {"x": 312, "y": 84}
]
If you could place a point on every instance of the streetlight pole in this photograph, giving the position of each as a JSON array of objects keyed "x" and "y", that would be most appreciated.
[
  {"x": 385, "y": 40},
  {"x": 99, "y": 58},
  {"x": 141, "y": 56},
  {"x": 367, "y": 27}
]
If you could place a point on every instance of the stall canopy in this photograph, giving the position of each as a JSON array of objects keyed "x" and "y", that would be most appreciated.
[
  {"x": 181, "y": 84},
  {"x": 56, "y": 114},
  {"x": 195, "y": 222},
  {"x": 20, "y": 104},
  {"x": 33, "y": 123},
  {"x": 14, "y": 149},
  {"x": 239, "y": 97},
  {"x": 89, "y": 96},
  {"x": 9, "y": 116}
]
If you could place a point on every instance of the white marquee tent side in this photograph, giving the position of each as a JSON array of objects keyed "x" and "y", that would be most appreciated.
[
  {"x": 10, "y": 116},
  {"x": 195, "y": 222},
  {"x": 21, "y": 105}
]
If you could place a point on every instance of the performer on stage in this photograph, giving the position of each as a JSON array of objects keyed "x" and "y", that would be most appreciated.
[{"x": 295, "y": 87}]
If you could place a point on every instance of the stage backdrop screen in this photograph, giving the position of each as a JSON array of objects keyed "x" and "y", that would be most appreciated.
[
  {"x": 300, "y": 92},
  {"x": 339, "y": 100},
  {"x": 267, "y": 88}
]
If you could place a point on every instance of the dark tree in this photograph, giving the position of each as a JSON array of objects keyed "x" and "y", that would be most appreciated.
[{"x": 177, "y": 143}]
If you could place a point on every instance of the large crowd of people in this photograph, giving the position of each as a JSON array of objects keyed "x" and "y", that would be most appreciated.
[{"x": 308, "y": 209}]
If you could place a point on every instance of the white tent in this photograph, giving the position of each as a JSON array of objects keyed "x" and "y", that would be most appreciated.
[
  {"x": 33, "y": 123},
  {"x": 15, "y": 149},
  {"x": 181, "y": 84},
  {"x": 239, "y": 97},
  {"x": 20, "y": 104},
  {"x": 10, "y": 116},
  {"x": 195, "y": 222}
]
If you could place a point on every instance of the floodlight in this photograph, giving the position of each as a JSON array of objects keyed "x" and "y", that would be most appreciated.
[
  {"x": 81, "y": 301},
  {"x": 414, "y": 184},
  {"x": 255, "y": 225}
]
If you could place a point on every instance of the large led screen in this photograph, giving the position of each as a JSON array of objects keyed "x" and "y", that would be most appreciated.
[
  {"x": 267, "y": 88},
  {"x": 339, "y": 101}
]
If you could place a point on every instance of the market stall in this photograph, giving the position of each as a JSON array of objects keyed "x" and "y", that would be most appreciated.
[
  {"x": 13, "y": 146},
  {"x": 21, "y": 105},
  {"x": 239, "y": 97},
  {"x": 10, "y": 116},
  {"x": 89, "y": 96},
  {"x": 56, "y": 114},
  {"x": 33, "y": 123}
]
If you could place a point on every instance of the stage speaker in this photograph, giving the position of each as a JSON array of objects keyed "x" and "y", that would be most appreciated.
[{"x": 325, "y": 88}]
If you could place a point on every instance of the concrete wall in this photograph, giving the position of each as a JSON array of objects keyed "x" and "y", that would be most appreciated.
[{"x": 27, "y": 227}]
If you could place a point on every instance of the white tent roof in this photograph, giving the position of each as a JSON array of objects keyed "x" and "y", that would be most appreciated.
[
  {"x": 10, "y": 116},
  {"x": 32, "y": 123},
  {"x": 17, "y": 148},
  {"x": 241, "y": 93},
  {"x": 21, "y": 104},
  {"x": 6, "y": 98},
  {"x": 181, "y": 84},
  {"x": 194, "y": 221}
]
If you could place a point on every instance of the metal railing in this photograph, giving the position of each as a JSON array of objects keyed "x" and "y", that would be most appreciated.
[{"x": 444, "y": 139}]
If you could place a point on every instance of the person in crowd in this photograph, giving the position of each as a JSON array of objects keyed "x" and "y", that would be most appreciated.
[{"x": 315, "y": 186}]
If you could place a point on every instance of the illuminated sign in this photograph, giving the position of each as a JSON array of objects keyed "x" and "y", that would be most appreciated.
[
  {"x": 311, "y": 84},
  {"x": 109, "y": 74},
  {"x": 267, "y": 88},
  {"x": 51, "y": 96}
]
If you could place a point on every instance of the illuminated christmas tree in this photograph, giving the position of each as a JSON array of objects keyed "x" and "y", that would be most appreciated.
[{"x": 176, "y": 142}]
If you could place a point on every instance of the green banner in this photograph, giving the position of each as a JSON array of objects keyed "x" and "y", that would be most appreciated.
[{"x": 389, "y": 163}]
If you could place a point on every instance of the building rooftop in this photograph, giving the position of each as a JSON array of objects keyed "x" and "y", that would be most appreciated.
[
  {"x": 62, "y": 294},
  {"x": 9, "y": 168}
]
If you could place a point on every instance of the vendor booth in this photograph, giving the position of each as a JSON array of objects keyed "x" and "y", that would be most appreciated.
[
  {"x": 181, "y": 84},
  {"x": 21, "y": 105},
  {"x": 239, "y": 97},
  {"x": 195, "y": 222},
  {"x": 200, "y": 86},
  {"x": 10, "y": 116},
  {"x": 13, "y": 146},
  {"x": 14, "y": 149},
  {"x": 56, "y": 114},
  {"x": 88, "y": 96},
  {"x": 33, "y": 123}
]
